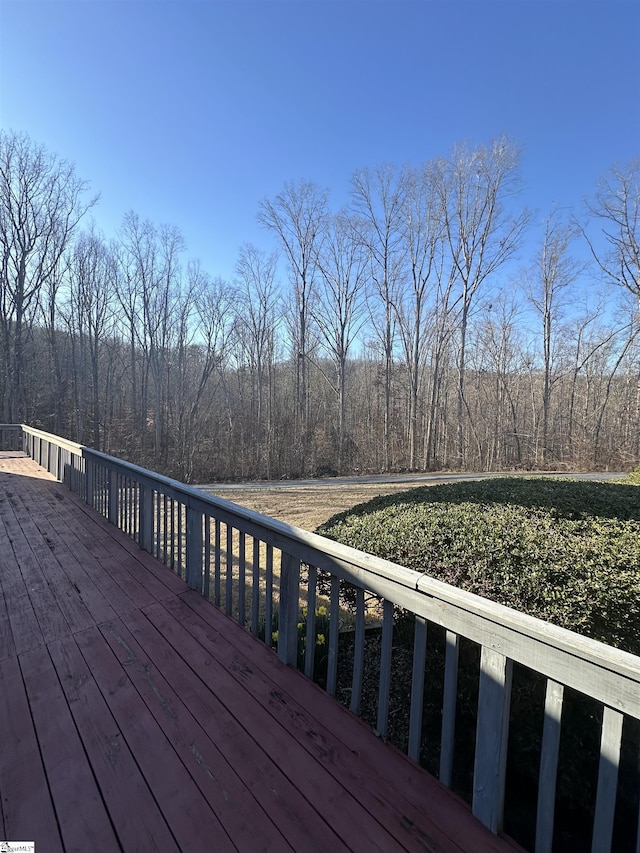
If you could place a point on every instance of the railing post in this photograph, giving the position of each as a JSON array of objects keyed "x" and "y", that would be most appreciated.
[
  {"x": 491, "y": 738},
  {"x": 288, "y": 609},
  {"x": 194, "y": 549},
  {"x": 145, "y": 518}
]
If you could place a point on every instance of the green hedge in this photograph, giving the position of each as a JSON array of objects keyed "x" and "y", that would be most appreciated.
[{"x": 565, "y": 551}]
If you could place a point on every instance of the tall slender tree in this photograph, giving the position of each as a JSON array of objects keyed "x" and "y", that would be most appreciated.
[
  {"x": 297, "y": 216},
  {"x": 482, "y": 232},
  {"x": 378, "y": 198},
  {"x": 42, "y": 200}
]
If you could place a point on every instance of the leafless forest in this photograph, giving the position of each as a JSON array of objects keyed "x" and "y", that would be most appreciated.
[{"x": 432, "y": 323}]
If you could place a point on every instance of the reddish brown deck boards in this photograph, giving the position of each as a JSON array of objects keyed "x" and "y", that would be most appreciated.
[{"x": 136, "y": 716}]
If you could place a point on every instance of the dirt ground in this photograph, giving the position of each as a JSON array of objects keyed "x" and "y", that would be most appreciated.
[{"x": 306, "y": 506}]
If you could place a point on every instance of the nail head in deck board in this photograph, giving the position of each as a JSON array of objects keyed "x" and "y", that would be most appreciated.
[
  {"x": 292, "y": 813},
  {"x": 138, "y": 821},
  {"x": 26, "y": 806},
  {"x": 83, "y": 820},
  {"x": 411, "y": 786},
  {"x": 183, "y": 806},
  {"x": 229, "y": 797}
]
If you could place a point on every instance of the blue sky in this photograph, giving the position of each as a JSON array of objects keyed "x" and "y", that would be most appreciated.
[{"x": 191, "y": 112}]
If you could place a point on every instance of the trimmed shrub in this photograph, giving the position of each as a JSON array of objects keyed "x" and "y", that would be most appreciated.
[{"x": 564, "y": 551}]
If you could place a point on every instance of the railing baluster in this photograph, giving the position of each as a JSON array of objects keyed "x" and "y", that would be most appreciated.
[
  {"x": 228, "y": 588},
  {"x": 449, "y": 703},
  {"x": 385, "y": 667},
  {"x": 268, "y": 596},
  {"x": 242, "y": 572},
  {"x": 217, "y": 571},
  {"x": 417, "y": 687},
  {"x": 181, "y": 526},
  {"x": 358, "y": 653},
  {"x": 207, "y": 556},
  {"x": 549, "y": 766},
  {"x": 491, "y": 738},
  {"x": 194, "y": 564},
  {"x": 607, "y": 780},
  {"x": 255, "y": 586},
  {"x": 145, "y": 522},
  {"x": 289, "y": 608},
  {"x": 310, "y": 628},
  {"x": 334, "y": 628}
]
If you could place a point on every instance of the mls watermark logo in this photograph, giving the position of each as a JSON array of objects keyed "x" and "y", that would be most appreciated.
[{"x": 17, "y": 846}]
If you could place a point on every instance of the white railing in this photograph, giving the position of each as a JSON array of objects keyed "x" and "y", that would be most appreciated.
[{"x": 260, "y": 570}]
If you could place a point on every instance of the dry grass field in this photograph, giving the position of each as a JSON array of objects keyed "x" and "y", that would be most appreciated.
[{"x": 305, "y": 506}]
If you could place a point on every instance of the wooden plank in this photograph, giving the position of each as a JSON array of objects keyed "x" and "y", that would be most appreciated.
[
  {"x": 607, "y": 781},
  {"x": 27, "y": 809},
  {"x": 417, "y": 688},
  {"x": 7, "y": 646},
  {"x": 66, "y": 588},
  {"x": 334, "y": 635},
  {"x": 549, "y": 766},
  {"x": 385, "y": 668},
  {"x": 358, "y": 654},
  {"x": 230, "y": 798},
  {"x": 24, "y": 575},
  {"x": 25, "y": 628},
  {"x": 185, "y": 810},
  {"x": 264, "y": 713},
  {"x": 399, "y": 794},
  {"x": 142, "y": 560},
  {"x": 82, "y": 817},
  {"x": 295, "y": 817},
  {"x": 118, "y": 557},
  {"x": 449, "y": 702},
  {"x": 491, "y": 738},
  {"x": 136, "y": 817},
  {"x": 80, "y": 550}
]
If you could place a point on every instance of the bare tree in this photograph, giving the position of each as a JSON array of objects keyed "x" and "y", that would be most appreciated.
[
  {"x": 257, "y": 300},
  {"x": 89, "y": 316},
  {"x": 545, "y": 287},
  {"x": 298, "y": 216},
  {"x": 204, "y": 332},
  {"x": 481, "y": 232},
  {"x": 41, "y": 202},
  {"x": 377, "y": 197},
  {"x": 423, "y": 236},
  {"x": 617, "y": 207},
  {"x": 341, "y": 306}
]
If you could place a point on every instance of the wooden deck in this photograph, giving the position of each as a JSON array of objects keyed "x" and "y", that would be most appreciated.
[{"x": 135, "y": 716}]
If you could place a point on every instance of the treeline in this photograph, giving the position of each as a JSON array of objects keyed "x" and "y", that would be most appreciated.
[{"x": 398, "y": 333}]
